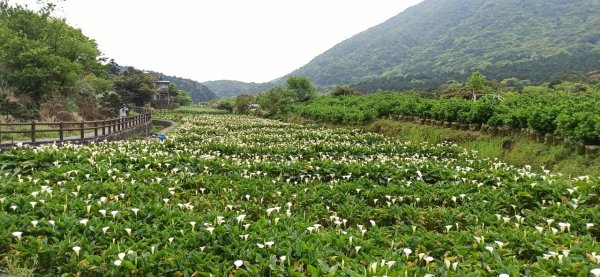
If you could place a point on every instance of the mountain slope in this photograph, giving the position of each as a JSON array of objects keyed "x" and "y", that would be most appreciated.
[
  {"x": 439, "y": 40},
  {"x": 227, "y": 88},
  {"x": 198, "y": 91}
]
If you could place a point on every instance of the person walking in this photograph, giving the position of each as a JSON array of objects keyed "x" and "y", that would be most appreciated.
[{"x": 123, "y": 115}]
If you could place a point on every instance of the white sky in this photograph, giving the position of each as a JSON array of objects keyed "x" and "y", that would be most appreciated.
[{"x": 244, "y": 40}]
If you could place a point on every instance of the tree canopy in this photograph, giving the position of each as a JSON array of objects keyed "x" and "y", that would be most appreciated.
[
  {"x": 42, "y": 55},
  {"x": 298, "y": 90},
  {"x": 48, "y": 66}
]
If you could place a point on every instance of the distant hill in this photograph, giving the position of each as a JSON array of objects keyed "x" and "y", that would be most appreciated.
[
  {"x": 439, "y": 40},
  {"x": 227, "y": 88},
  {"x": 198, "y": 91}
]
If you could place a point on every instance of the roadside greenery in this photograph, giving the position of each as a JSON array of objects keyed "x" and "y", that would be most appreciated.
[{"x": 232, "y": 195}]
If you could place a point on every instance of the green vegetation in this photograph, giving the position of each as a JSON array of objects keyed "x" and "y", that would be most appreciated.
[
  {"x": 233, "y": 195},
  {"x": 277, "y": 99},
  {"x": 515, "y": 149},
  {"x": 575, "y": 116},
  {"x": 198, "y": 91},
  {"x": 50, "y": 71},
  {"x": 43, "y": 58},
  {"x": 436, "y": 41},
  {"x": 243, "y": 102},
  {"x": 229, "y": 89},
  {"x": 273, "y": 101},
  {"x": 538, "y": 125}
]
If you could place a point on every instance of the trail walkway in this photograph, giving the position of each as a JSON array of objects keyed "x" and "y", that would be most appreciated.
[
  {"x": 172, "y": 125},
  {"x": 167, "y": 125}
]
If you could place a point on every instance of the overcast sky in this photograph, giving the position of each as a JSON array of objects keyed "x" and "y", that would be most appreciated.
[{"x": 244, "y": 40}]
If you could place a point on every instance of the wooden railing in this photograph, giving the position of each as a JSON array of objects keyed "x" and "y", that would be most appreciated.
[{"x": 37, "y": 132}]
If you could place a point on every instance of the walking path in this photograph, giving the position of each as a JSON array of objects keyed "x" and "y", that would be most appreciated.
[
  {"x": 87, "y": 136},
  {"x": 172, "y": 126}
]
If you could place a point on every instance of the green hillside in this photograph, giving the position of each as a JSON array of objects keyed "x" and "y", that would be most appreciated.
[
  {"x": 439, "y": 40},
  {"x": 228, "y": 88},
  {"x": 198, "y": 91}
]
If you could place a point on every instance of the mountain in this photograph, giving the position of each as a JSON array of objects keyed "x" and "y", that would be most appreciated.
[
  {"x": 198, "y": 91},
  {"x": 227, "y": 88},
  {"x": 439, "y": 40}
]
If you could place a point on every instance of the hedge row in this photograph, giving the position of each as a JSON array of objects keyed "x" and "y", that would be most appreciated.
[{"x": 574, "y": 116}]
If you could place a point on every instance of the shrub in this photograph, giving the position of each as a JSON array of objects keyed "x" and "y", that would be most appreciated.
[
  {"x": 580, "y": 126},
  {"x": 242, "y": 103},
  {"x": 542, "y": 118},
  {"x": 225, "y": 104},
  {"x": 345, "y": 91}
]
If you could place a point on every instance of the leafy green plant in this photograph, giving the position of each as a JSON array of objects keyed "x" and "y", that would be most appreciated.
[{"x": 245, "y": 196}]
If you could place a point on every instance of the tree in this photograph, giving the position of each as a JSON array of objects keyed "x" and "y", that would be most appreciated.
[
  {"x": 301, "y": 89},
  {"x": 44, "y": 58},
  {"x": 273, "y": 100},
  {"x": 181, "y": 97},
  {"x": 242, "y": 103},
  {"x": 184, "y": 99},
  {"x": 344, "y": 90},
  {"x": 224, "y": 104},
  {"x": 44, "y": 54},
  {"x": 476, "y": 84},
  {"x": 135, "y": 86}
]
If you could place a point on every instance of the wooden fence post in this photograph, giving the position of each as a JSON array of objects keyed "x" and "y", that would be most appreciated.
[
  {"x": 115, "y": 125},
  {"x": 61, "y": 131},
  {"x": 33, "y": 131},
  {"x": 82, "y": 129}
]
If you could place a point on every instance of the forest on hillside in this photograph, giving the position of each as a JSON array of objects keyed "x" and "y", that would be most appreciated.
[
  {"x": 441, "y": 40},
  {"x": 197, "y": 91},
  {"x": 228, "y": 88}
]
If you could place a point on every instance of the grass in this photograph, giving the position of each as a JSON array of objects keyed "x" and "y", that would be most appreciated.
[
  {"x": 13, "y": 267},
  {"x": 523, "y": 150},
  {"x": 156, "y": 128}
]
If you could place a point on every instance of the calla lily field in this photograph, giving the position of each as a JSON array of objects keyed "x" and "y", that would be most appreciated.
[{"x": 229, "y": 195}]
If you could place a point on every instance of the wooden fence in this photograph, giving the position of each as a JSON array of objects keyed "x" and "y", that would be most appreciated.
[{"x": 48, "y": 132}]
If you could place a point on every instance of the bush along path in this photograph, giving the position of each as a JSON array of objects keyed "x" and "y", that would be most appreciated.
[{"x": 230, "y": 195}]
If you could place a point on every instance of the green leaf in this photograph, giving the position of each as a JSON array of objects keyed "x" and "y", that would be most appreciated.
[{"x": 129, "y": 265}]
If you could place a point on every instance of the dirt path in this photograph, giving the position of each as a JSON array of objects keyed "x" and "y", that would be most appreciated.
[{"x": 172, "y": 125}]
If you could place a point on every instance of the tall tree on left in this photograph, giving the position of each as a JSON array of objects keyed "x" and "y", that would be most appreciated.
[{"x": 41, "y": 55}]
